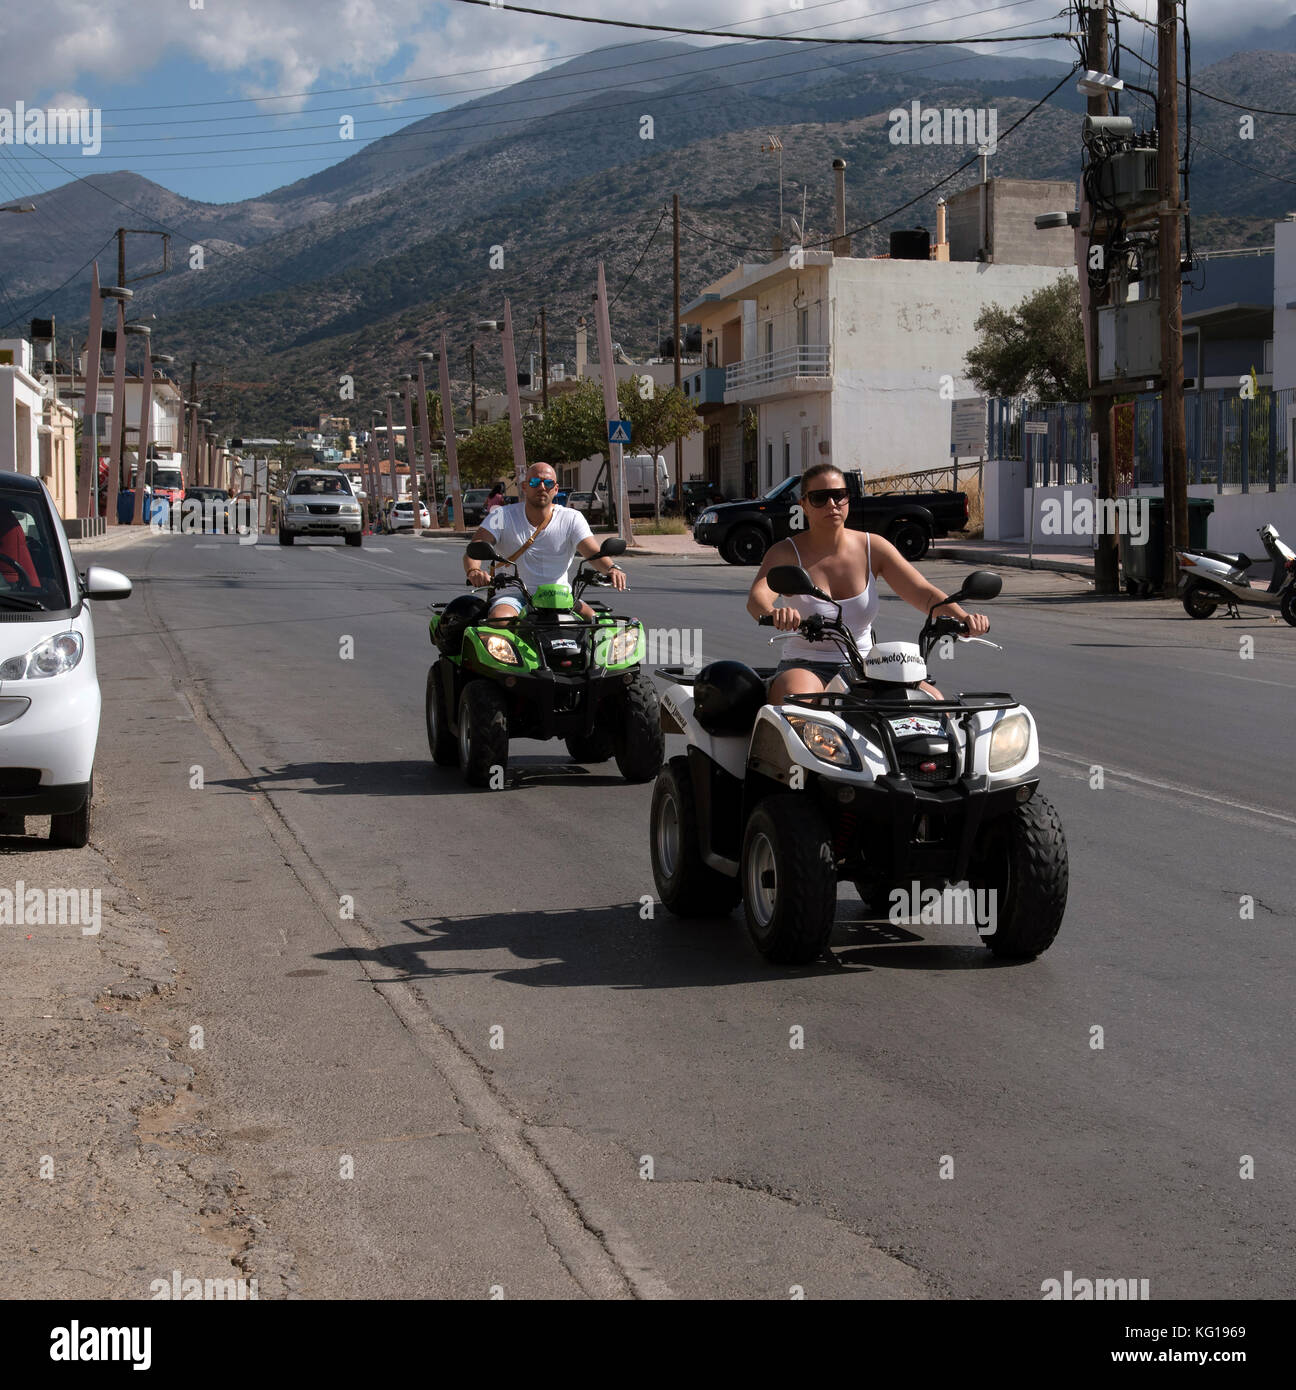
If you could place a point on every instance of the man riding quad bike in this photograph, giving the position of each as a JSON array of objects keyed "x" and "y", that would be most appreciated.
[{"x": 538, "y": 662}]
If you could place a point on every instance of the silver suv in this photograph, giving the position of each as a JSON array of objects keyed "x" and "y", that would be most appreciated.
[{"x": 319, "y": 502}]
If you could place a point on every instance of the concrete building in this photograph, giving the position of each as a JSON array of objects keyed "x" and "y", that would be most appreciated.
[
  {"x": 994, "y": 222},
  {"x": 853, "y": 360},
  {"x": 22, "y": 405},
  {"x": 37, "y": 431}
]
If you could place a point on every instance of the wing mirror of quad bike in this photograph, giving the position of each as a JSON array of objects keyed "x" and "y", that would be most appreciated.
[
  {"x": 482, "y": 550},
  {"x": 613, "y": 545},
  {"x": 979, "y": 586},
  {"x": 791, "y": 580}
]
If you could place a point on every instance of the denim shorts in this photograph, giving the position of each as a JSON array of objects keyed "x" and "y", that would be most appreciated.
[{"x": 825, "y": 670}]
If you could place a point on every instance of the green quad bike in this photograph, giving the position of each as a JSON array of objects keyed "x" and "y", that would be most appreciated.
[{"x": 548, "y": 673}]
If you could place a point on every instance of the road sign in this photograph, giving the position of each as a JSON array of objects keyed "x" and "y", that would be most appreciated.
[
  {"x": 967, "y": 427},
  {"x": 618, "y": 431}
]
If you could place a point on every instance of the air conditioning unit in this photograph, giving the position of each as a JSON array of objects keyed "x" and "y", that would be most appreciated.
[{"x": 1130, "y": 179}]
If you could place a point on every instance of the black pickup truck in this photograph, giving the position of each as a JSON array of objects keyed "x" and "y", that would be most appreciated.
[{"x": 744, "y": 531}]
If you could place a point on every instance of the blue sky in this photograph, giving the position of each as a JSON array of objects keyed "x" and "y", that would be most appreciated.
[{"x": 234, "y": 56}]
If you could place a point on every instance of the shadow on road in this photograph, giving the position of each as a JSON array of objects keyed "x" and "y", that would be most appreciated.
[
  {"x": 614, "y": 948},
  {"x": 410, "y": 778}
]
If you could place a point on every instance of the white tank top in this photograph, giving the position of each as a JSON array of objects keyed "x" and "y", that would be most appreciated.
[{"x": 857, "y": 614}]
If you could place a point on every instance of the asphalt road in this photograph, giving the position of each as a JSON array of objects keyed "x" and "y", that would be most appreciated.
[{"x": 628, "y": 1037}]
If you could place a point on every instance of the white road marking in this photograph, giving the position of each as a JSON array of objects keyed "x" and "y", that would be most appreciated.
[{"x": 1175, "y": 789}]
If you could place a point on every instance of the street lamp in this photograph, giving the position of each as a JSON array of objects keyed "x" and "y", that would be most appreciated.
[
  {"x": 425, "y": 419},
  {"x": 511, "y": 386},
  {"x": 141, "y": 330},
  {"x": 122, "y": 296},
  {"x": 392, "y": 398}
]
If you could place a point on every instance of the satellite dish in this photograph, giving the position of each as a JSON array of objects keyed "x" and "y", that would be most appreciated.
[{"x": 796, "y": 230}]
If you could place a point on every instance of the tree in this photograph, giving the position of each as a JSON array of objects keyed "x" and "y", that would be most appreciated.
[
  {"x": 1034, "y": 350},
  {"x": 575, "y": 424},
  {"x": 486, "y": 454},
  {"x": 656, "y": 421}
]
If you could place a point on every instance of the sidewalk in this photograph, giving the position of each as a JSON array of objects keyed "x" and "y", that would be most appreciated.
[
  {"x": 106, "y": 1181},
  {"x": 1063, "y": 559}
]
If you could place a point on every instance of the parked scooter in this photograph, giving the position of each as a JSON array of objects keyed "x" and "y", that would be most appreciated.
[
  {"x": 1208, "y": 578},
  {"x": 872, "y": 781}
]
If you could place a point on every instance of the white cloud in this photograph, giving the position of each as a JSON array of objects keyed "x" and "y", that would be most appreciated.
[{"x": 264, "y": 47}]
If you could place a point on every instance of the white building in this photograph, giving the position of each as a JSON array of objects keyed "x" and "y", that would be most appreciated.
[
  {"x": 21, "y": 406},
  {"x": 847, "y": 360},
  {"x": 37, "y": 432}
]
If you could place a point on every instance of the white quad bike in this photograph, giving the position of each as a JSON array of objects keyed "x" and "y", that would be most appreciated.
[{"x": 873, "y": 781}]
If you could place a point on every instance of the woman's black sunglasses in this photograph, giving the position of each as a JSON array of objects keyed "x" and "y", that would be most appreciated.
[{"x": 821, "y": 496}]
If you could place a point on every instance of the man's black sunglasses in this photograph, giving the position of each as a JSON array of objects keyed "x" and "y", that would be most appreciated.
[{"x": 821, "y": 496}]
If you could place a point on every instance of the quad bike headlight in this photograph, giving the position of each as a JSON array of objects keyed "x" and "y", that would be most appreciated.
[
  {"x": 1009, "y": 742},
  {"x": 623, "y": 646},
  {"x": 501, "y": 649},
  {"x": 51, "y": 657},
  {"x": 825, "y": 742}
]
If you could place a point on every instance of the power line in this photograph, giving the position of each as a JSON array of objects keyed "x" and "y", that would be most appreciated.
[
  {"x": 886, "y": 217},
  {"x": 721, "y": 34},
  {"x": 37, "y": 303},
  {"x": 640, "y": 261},
  {"x": 576, "y": 111},
  {"x": 459, "y": 72},
  {"x": 551, "y": 76},
  {"x": 708, "y": 53}
]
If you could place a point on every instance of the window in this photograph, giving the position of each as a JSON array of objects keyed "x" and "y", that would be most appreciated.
[
  {"x": 769, "y": 463},
  {"x": 803, "y": 327},
  {"x": 787, "y": 457},
  {"x": 1268, "y": 355},
  {"x": 769, "y": 336}
]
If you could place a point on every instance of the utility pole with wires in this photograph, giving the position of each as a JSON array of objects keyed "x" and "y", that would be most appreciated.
[
  {"x": 1107, "y": 554},
  {"x": 679, "y": 352},
  {"x": 1174, "y": 439},
  {"x": 775, "y": 146},
  {"x": 544, "y": 362}
]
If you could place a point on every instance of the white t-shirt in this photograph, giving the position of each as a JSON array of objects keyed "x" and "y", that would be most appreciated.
[{"x": 549, "y": 559}]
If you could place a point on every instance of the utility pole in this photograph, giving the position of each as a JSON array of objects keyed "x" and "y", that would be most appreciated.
[
  {"x": 679, "y": 348},
  {"x": 472, "y": 376},
  {"x": 1174, "y": 443},
  {"x": 1107, "y": 555},
  {"x": 544, "y": 362},
  {"x": 190, "y": 454}
]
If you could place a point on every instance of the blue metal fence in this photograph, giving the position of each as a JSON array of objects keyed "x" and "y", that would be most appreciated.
[{"x": 1239, "y": 444}]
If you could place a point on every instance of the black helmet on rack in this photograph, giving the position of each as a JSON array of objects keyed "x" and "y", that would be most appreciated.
[
  {"x": 460, "y": 613},
  {"x": 727, "y": 696}
]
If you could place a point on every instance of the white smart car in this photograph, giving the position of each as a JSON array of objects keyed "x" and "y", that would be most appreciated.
[{"x": 49, "y": 689}]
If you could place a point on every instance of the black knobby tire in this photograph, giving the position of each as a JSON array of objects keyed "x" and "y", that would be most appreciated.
[
  {"x": 1198, "y": 602},
  {"x": 910, "y": 538},
  {"x": 637, "y": 739},
  {"x": 442, "y": 743},
  {"x": 876, "y": 898},
  {"x": 285, "y": 537},
  {"x": 1288, "y": 606},
  {"x": 595, "y": 747},
  {"x": 71, "y": 829},
  {"x": 353, "y": 538},
  {"x": 687, "y": 885},
  {"x": 788, "y": 882},
  {"x": 746, "y": 545},
  {"x": 1022, "y": 857},
  {"x": 483, "y": 732}
]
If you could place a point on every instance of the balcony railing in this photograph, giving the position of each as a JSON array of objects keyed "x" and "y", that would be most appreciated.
[{"x": 803, "y": 360}]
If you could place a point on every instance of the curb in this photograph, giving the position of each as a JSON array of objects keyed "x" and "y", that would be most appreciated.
[{"x": 1012, "y": 560}]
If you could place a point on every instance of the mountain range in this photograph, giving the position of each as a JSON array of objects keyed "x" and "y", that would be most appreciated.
[{"x": 521, "y": 191}]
